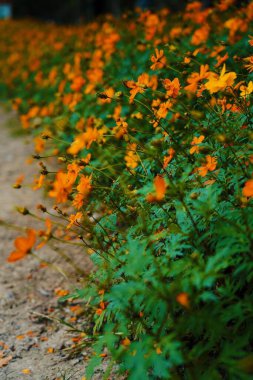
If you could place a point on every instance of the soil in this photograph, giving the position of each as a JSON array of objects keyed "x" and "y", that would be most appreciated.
[{"x": 31, "y": 346}]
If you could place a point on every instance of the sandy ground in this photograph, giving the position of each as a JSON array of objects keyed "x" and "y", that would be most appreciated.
[{"x": 25, "y": 287}]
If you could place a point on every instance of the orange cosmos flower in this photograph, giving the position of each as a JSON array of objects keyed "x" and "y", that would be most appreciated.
[
  {"x": 74, "y": 218},
  {"x": 38, "y": 182},
  {"x": 172, "y": 87},
  {"x": 160, "y": 190},
  {"x": 19, "y": 181},
  {"x": 221, "y": 60},
  {"x": 151, "y": 26},
  {"x": 223, "y": 5},
  {"x": 249, "y": 65},
  {"x": 211, "y": 163},
  {"x": 61, "y": 187},
  {"x": 246, "y": 90},
  {"x": 131, "y": 157},
  {"x": 167, "y": 159},
  {"x": 121, "y": 129},
  {"x": 39, "y": 144},
  {"x": 200, "y": 35},
  {"x": 195, "y": 142},
  {"x": 248, "y": 188},
  {"x": 77, "y": 84},
  {"x": 195, "y": 78},
  {"x": 126, "y": 342},
  {"x": 73, "y": 170},
  {"x": 217, "y": 83},
  {"x": 159, "y": 60},
  {"x": 234, "y": 25},
  {"x": 144, "y": 81},
  {"x": 251, "y": 40},
  {"x": 83, "y": 188},
  {"x": 183, "y": 299},
  {"x": 84, "y": 140},
  {"x": 163, "y": 109},
  {"x": 107, "y": 95},
  {"x": 23, "y": 246}
]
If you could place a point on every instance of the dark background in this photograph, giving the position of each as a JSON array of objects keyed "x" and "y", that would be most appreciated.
[
  {"x": 70, "y": 11},
  {"x": 73, "y": 11}
]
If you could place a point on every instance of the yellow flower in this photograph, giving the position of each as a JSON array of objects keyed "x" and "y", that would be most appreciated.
[
  {"x": 216, "y": 83},
  {"x": 246, "y": 90}
]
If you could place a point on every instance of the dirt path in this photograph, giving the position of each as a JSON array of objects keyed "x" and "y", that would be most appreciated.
[{"x": 27, "y": 288}]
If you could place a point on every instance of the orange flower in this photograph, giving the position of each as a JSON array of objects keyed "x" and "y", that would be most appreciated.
[
  {"x": 61, "y": 187},
  {"x": 223, "y": 5},
  {"x": 160, "y": 190},
  {"x": 160, "y": 187},
  {"x": 249, "y": 65},
  {"x": 183, "y": 299},
  {"x": 107, "y": 95},
  {"x": 195, "y": 142},
  {"x": 143, "y": 82},
  {"x": 39, "y": 144},
  {"x": 200, "y": 35},
  {"x": 126, "y": 342},
  {"x": 246, "y": 90},
  {"x": 172, "y": 87},
  {"x": 167, "y": 159},
  {"x": 234, "y": 25},
  {"x": 131, "y": 157},
  {"x": 19, "y": 181},
  {"x": 121, "y": 129},
  {"x": 211, "y": 163},
  {"x": 248, "y": 188},
  {"x": 73, "y": 170},
  {"x": 83, "y": 188},
  {"x": 159, "y": 60},
  {"x": 217, "y": 83},
  {"x": 38, "y": 182},
  {"x": 195, "y": 78},
  {"x": 74, "y": 218},
  {"x": 163, "y": 109},
  {"x": 151, "y": 26},
  {"x": 221, "y": 59},
  {"x": 23, "y": 246},
  {"x": 77, "y": 84},
  {"x": 84, "y": 140}
]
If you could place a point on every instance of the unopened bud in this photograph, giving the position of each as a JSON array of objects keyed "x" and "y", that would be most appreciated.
[
  {"x": 62, "y": 159},
  {"x": 41, "y": 208},
  {"x": 194, "y": 195},
  {"x": 221, "y": 138},
  {"x": 23, "y": 210}
]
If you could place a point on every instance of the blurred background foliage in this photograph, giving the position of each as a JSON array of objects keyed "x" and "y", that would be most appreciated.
[{"x": 72, "y": 11}]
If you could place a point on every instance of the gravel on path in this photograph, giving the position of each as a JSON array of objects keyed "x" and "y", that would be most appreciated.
[{"x": 26, "y": 287}]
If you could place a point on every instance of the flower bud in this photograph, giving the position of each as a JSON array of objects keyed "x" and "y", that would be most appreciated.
[{"x": 23, "y": 210}]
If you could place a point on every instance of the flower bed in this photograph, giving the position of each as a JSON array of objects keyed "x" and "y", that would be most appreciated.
[{"x": 150, "y": 120}]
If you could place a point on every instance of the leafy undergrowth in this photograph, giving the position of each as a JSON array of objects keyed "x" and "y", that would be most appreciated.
[{"x": 149, "y": 121}]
